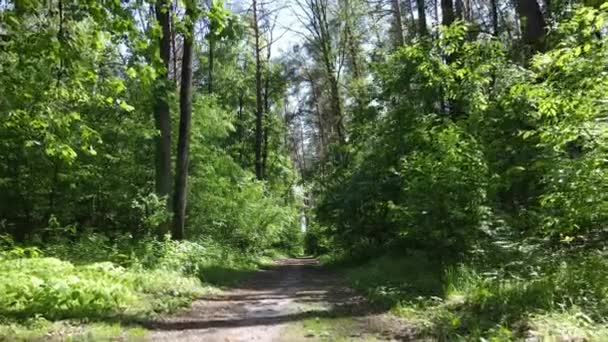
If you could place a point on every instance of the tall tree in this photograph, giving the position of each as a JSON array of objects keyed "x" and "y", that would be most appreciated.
[
  {"x": 259, "y": 105},
  {"x": 267, "y": 93},
  {"x": 162, "y": 116},
  {"x": 185, "y": 123},
  {"x": 323, "y": 44},
  {"x": 268, "y": 27}
]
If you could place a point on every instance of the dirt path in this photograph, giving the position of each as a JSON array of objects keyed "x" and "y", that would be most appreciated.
[{"x": 271, "y": 303}]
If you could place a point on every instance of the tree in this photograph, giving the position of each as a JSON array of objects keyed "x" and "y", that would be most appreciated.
[
  {"x": 185, "y": 123},
  {"x": 162, "y": 117},
  {"x": 322, "y": 43},
  {"x": 259, "y": 113}
]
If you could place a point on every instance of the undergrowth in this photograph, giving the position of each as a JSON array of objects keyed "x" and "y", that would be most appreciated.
[
  {"x": 543, "y": 295},
  {"x": 95, "y": 279}
]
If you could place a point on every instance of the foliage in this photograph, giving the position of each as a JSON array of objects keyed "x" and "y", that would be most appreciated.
[
  {"x": 458, "y": 145},
  {"x": 230, "y": 207},
  {"x": 77, "y": 100},
  {"x": 483, "y": 300},
  {"x": 55, "y": 289},
  {"x": 449, "y": 146},
  {"x": 109, "y": 279},
  {"x": 487, "y": 178}
]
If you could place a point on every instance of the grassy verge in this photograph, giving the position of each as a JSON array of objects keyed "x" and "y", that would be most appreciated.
[
  {"x": 44, "y": 330},
  {"x": 553, "y": 298},
  {"x": 327, "y": 329},
  {"x": 94, "y": 289}
]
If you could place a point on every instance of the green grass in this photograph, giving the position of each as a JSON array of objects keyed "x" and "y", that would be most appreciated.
[
  {"x": 553, "y": 297},
  {"x": 43, "y": 330},
  {"x": 326, "y": 329}
]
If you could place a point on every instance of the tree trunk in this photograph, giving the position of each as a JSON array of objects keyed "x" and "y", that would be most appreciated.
[
  {"x": 532, "y": 22},
  {"x": 211, "y": 58},
  {"x": 240, "y": 128},
  {"x": 411, "y": 21},
  {"x": 266, "y": 105},
  {"x": 173, "y": 46},
  {"x": 351, "y": 42},
  {"x": 548, "y": 8},
  {"x": 422, "y": 29},
  {"x": 399, "y": 39},
  {"x": 447, "y": 10},
  {"x": 162, "y": 116},
  {"x": 330, "y": 69},
  {"x": 265, "y": 149},
  {"x": 258, "y": 96},
  {"x": 336, "y": 105},
  {"x": 185, "y": 122},
  {"x": 266, "y": 117},
  {"x": 459, "y": 9},
  {"x": 494, "y": 13},
  {"x": 315, "y": 100}
]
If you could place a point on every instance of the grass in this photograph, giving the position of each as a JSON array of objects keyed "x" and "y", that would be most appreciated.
[
  {"x": 40, "y": 329},
  {"x": 550, "y": 297},
  {"x": 326, "y": 329},
  {"x": 91, "y": 288}
]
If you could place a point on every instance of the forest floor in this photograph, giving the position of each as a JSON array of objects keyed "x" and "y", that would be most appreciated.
[{"x": 292, "y": 300}]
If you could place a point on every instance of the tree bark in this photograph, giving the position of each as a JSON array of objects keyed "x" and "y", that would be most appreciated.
[
  {"x": 422, "y": 28},
  {"x": 211, "y": 62},
  {"x": 173, "y": 46},
  {"x": 315, "y": 99},
  {"x": 266, "y": 107},
  {"x": 330, "y": 68},
  {"x": 494, "y": 13},
  {"x": 352, "y": 44},
  {"x": 240, "y": 128},
  {"x": 398, "y": 23},
  {"x": 447, "y": 10},
  {"x": 162, "y": 116},
  {"x": 459, "y": 10},
  {"x": 185, "y": 123},
  {"x": 533, "y": 24},
  {"x": 259, "y": 114}
]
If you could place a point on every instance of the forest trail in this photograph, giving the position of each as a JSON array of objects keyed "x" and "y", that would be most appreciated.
[{"x": 273, "y": 305}]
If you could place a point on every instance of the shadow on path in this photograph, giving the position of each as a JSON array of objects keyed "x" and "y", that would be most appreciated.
[{"x": 291, "y": 291}]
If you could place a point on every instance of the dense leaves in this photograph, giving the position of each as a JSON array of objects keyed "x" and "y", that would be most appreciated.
[
  {"x": 491, "y": 171},
  {"x": 78, "y": 91},
  {"x": 477, "y": 138}
]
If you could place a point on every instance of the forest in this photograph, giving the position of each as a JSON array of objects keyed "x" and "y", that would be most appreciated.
[{"x": 445, "y": 160}]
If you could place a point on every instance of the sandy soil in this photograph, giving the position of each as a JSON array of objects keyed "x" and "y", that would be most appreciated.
[{"x": 265, "y": 306}]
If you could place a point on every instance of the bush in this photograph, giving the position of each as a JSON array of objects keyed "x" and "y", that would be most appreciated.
[
  {"x": 138, "y": 278},
  {"x": 491, "y": 300},
  {"x": 55, "y": 289},
  {"x": 449, "y": 166}
]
